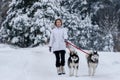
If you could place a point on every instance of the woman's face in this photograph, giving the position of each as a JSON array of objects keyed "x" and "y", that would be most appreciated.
[{"x": 58, "y": 23}]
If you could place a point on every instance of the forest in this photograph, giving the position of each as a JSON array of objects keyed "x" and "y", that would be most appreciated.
[{"x": 91, "y": 24}]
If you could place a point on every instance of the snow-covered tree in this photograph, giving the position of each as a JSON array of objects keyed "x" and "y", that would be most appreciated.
[
  {"x": 78, "y": 21},
  {"x": 76, "y": 6},
  {"x": 108, "y": 22},
  {"x": 28, "y": 22}
]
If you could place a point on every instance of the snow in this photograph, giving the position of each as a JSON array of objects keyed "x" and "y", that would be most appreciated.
[
  {"x": 17, "y": 21},
  {"x": 84, "y": 2},
  {"x": 38, "y": 14},
  {"x": 38, "y": 64},
  {"x": 42, "y": 29},
  {"x": 36, "y": 4},
  {"x": 15, "y": 39}
]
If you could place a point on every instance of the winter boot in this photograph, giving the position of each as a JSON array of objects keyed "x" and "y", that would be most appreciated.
[
  {"x": 62, "y": 70},
  {"x": 59, "y": 71}
]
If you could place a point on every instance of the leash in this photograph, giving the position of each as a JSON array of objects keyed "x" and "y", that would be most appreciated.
[{"x": 77, "y": 47}]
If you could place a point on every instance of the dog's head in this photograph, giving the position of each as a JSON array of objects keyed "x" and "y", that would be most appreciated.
[
  {"x": 94, "y": 56},
  {"x": 74, "y": 56}
]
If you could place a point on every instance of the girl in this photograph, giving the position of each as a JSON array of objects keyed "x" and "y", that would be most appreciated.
[{"x": 58, "y": 45}]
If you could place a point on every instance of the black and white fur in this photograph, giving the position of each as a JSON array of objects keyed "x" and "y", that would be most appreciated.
[
  {"x": 92, "y": 61},
  {"x": 73, "y": 63}
]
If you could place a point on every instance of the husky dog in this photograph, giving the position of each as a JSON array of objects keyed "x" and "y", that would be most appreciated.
[
  {"x": 92, "y": 61},
  {"x": 73, "y": 63}
]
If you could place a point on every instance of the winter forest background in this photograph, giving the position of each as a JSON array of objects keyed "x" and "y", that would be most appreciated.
[{"x": 91, "y": 24}]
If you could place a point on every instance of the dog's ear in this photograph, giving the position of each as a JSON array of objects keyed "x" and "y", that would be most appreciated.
[{"x": 95, "y": 52}]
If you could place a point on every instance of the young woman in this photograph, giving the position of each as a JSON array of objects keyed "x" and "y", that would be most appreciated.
[{"x": 58, "y": 45}]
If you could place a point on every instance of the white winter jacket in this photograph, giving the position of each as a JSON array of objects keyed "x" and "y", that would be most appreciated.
[{"x": 57, "y": 39}]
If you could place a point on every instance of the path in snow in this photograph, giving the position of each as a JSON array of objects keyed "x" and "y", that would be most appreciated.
[{"x": 38, "y": 64}]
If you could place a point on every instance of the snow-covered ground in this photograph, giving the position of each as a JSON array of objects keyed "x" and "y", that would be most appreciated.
[{"x": 38, "y": 64}]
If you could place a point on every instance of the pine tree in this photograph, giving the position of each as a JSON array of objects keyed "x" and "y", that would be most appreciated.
[
  {"x": 28, "y": 22},
  {"x": 78, "y": 21}
]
